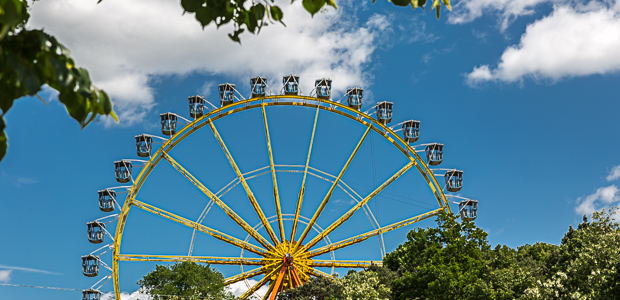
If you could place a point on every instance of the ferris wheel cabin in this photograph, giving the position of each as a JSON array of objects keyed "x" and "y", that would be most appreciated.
[
  {"x": 454, "y": 180},
  {"x": 323, "y": 88},
  {"x": 411, "y": 131},
  {"x": 384, "y": 112},
  {"x": 96, "y": 232},
  {"x": 122, "y": 168},
  {"x": 227, "y": 93},
  {"x": 354, "y": 97},
  {"x": 196, "y": 106},
  {"x": 434, "y": 154},
  {"x": 258, "y": 85},
  {"x": 144, "y": 144},
  {"x": 168, "y": 123},
  {"x": 291, "y": 84},
  {"x": 91, "y": 294},
  {"x": 468, "y": 209},
  {"x": 106, "y": 200},
  {"x": 90, "y": 265}
]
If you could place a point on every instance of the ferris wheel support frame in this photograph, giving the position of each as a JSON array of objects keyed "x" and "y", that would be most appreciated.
[{"x": 246, "y": 104}]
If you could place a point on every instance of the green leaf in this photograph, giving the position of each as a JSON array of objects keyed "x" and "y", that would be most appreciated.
[
  {"x": 203, "y": 16},
  {"x": 13, "y": 12},
  {"x": 276, "y": 13},
  {"x": 401, "y": 2},
  {"x": 192, "y": 5},
  {"x": 313, "y": 6},
  {"x": 235, "y": 35},
  {"x": 3, "y": 139}
]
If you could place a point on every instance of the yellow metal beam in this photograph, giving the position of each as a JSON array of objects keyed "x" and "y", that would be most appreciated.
[
  {"x": 259, "y": 238},
  {"x": 244, "y": 275},
  {"x": 259, "y": 284},
  {"x": 303, "y": 182},
  {"x": 362, "y": 237},
  {"x": 212, "y": 232},
  {"x": 276, "y": 196},
  {"x": 331, "y": 189},
  {"x": 350, "y": 213},
  {"x": 319, "y": 273},
  {"x": 199, "y": 259},
  {"x": 253, "y": 201}
]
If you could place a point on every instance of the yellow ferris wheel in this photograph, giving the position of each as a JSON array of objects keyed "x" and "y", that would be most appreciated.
[{"x": 287, "y": 248}]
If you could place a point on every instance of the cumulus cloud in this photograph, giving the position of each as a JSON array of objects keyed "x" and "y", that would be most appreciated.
[
  {"x": 5, "y": 275},
  {"x": 238, "y": 288},
  {"x": 603, "y": 198},
  {"x": 126, "y": 296},
  {"x": 571, "y": 41},
  {"x": 127, "y": 44},
  {"x": 614, "y": 173}
]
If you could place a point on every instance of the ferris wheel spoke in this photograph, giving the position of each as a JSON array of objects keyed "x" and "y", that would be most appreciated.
[
  {"x": 331, "y": 189},
  {"x": 255, "y": 205},
  {"x": 362, "y": 237},
  {"x": 244, "y": 276},
  {"x": 212, "y": 232},
  {"x": 359, "y": 205},
  {"x": 319, "y": 273},
  {"x": 259, "y": 284},
  {"x": 273, "y": 177},
  {"x": 201, "y": 259},
  {"x": 303, "y": 182},
  {"x": 251, "y": 231},
  {"x": 344, "y": 263}
]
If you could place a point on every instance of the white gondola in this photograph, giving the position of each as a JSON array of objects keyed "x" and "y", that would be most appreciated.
[
  {"x": 122, "y": 168},
  {"x": 384, "y": 112},
  {"x": 196, "y": 106},
  {"x": 168, "y": 123},
  {"x": 90, "y": 265},
  {"x": 106, "y": 200},
  {"x": 323, "y": 88},
  {"x": 227, "y": 93},
  {"x": 144, "y": 145},
  {"x": 91, "y": 294},
  {"x": 258, "y": 85},
  {"x": 454, "y": 180},
  {"x": 96, "y": 232},
  {"x": 354, "y": 97},
  {"x": 468, "y": 209},
  {"x": 434, "y": 154},
  {"x": 411, "y": 131},
  {"x": 291, "y": 84}
]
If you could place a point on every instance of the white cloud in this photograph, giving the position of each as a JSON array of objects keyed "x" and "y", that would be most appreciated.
[
  {"x": 238, "y": 288},
  {"x": 28, "y": 270},
  {"x": 126, "y": 44},
  {"x": 5, "y": 275},
  {"x": 603, "y": 198},
  {"x": 467, "y": 11},
  {"x": 569, "y": 42},
  {"x": 126, "y": 296},
  {"x": 614, "y": 173}
]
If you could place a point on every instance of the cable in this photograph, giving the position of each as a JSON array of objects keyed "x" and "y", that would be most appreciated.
[{"x": 39, "y": 287}]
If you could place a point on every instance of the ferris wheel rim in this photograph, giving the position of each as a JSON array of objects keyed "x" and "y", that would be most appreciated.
[{"x": 246, "y": 104}]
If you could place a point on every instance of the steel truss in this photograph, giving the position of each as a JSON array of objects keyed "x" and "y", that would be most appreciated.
[{"x": 282, "y": 263}]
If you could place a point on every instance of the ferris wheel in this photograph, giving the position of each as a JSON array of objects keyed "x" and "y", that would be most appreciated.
[{"x": 284, "y": 249}]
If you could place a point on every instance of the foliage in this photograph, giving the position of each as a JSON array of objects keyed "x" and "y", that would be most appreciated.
[
  {"x": 446, "y": 262},
  {"x": 253, "y": 16},
  {"x": 185, "y": 279},
  {"x": 30, "y": 59},
  {"x": 319, "y": 288},
  {"x": 586, "y": 266},
  {"x": 363, "y": 285}
]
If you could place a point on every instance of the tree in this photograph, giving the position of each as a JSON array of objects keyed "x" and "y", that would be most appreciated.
[
  {"x": 318, "y": 288},
  {"x": 187, "y": 280},
  {"x": 259, "y": 13},
  {"x": 447, "y": 262},
  {"x": 30, "y": 59},
  {"x": 586, "y": 265}
]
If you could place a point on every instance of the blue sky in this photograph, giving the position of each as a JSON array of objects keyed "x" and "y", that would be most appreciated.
[{"x": 524, "y": 97}]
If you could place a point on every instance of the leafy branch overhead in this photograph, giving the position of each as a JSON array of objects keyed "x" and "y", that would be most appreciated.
[
  {"x": 30, "y": 59},
  {"x": 253, "y": 16}
]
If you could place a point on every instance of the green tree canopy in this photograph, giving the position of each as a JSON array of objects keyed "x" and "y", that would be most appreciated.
[
  {"x": 30, "y": 59},
  {"x": 188, "y": 280}
]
